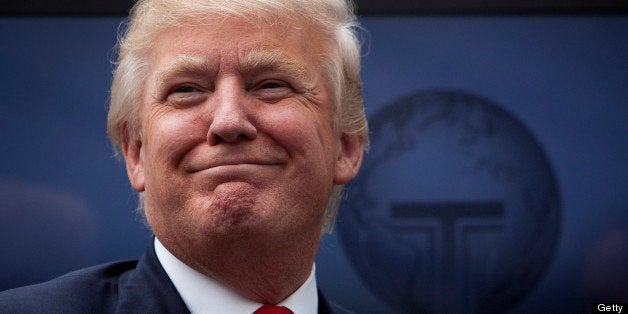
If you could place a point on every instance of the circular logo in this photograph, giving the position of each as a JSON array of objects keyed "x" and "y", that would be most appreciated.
[{"x": 455, "y": 210}]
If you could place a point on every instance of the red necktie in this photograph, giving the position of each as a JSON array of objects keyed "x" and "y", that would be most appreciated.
[{"x": 273, "y": 309}]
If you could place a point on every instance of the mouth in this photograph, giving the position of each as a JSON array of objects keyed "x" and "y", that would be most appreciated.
[{"x": 232, "y": 165}]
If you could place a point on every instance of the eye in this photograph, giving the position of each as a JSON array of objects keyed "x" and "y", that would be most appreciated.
[
  {"x": 272, "y": 91},
  {"x": 271, "y": 85},
  {"x": 186, "y": 95},
  {"x": 183, "y": 89}
]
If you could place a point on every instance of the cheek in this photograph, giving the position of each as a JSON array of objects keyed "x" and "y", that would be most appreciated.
[
  {"x": 170, "y": 135},
  {"x": 305, "y": 134}
]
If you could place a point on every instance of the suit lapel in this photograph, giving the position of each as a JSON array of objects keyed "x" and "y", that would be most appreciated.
[{"x": 148, "y": 289}]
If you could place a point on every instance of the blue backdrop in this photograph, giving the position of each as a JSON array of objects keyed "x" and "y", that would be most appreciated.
[{"x": 65, "y": 200}]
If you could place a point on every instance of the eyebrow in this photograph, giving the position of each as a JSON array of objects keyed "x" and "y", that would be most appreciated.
[
  {"x": 273, "y": 59},
  {"x": 248, "y": 62},
  {"x": 185, "y": 64}
]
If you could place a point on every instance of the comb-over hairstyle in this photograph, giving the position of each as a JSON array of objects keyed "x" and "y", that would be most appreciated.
[{"x": 333, "y": 19}]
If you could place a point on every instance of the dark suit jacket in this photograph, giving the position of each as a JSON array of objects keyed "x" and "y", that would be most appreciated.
[{"x": 123, "y": 287}]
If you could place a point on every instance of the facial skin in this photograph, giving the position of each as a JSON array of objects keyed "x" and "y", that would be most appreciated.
[{"x": 238, "y": 152}]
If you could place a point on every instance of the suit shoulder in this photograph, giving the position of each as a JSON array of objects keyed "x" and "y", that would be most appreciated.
[
  {"x": 93, "y": 290},
  {"x": 326, "y": 306}
]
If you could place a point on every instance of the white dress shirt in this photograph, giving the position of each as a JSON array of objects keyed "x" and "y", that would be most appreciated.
[{"x": 202, "y": 294}]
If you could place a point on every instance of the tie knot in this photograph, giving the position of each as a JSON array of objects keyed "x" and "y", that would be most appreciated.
[{"x": 273, "y": 309}]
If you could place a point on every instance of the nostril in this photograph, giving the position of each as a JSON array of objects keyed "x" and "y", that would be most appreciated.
[
  {"x": 231, "y": 131},
  {"x": 215, "y": 140},
  {"x": 231, "y": 121}
]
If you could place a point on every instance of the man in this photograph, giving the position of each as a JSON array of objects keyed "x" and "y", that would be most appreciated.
[{"x": 239, "y": 122}]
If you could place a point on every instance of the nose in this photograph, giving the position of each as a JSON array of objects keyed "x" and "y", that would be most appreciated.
[{"x": 231, "y": 121}]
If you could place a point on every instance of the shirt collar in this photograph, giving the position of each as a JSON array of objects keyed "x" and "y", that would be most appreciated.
[{"x": 202, "y": 294}]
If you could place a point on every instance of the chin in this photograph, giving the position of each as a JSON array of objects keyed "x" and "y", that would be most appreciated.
[{"x": 229, "y": 213}]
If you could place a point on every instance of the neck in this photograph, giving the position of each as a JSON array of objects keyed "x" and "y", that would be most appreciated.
[{"x": 263, "y": 271}]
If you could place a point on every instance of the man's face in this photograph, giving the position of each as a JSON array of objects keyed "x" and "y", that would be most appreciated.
[{"x": 237, "y": 135}]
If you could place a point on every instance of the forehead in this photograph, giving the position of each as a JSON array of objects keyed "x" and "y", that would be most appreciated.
[{"x": 238, "y": 39}]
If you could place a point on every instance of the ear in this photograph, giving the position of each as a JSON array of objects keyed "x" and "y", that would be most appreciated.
[
  {"x": 349, "y": 158},
  {"x": 131, "y": 149}
]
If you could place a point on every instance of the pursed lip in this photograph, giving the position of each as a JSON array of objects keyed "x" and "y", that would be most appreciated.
[{"x": 226, "y": 162}]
